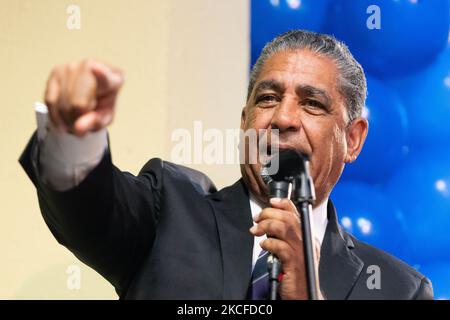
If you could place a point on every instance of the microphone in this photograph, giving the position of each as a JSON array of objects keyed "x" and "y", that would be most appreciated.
[
  {"x": 290, "y": 162},
  {"x": 277, "y": 189},
  {"x": 293, "y": 167}
]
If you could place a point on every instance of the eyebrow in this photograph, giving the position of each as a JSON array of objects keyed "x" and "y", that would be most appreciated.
[
  {"x": 269, "y": 85},
  {"x": 310, "y": 91},
  {"x": 300, "y": 90}
]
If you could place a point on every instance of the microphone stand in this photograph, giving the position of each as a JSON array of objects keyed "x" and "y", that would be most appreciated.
[{"x": 303, "y": 196}]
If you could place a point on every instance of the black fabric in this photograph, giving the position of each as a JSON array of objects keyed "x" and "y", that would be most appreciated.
[{"x": 168, "y": 234}]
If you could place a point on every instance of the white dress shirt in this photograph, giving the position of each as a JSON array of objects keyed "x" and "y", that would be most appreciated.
[{"x": 65, "y": 160}]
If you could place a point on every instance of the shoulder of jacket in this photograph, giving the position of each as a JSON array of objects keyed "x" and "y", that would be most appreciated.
[{"x": 159, "y": 169}]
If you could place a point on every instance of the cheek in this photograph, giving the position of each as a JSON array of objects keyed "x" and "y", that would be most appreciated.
[
  {"x": 339, "y": 141},
  {"x": 258, "y": 118},
  {"x": 328, "y": 145},
  {"x": 327, "y": 137}
]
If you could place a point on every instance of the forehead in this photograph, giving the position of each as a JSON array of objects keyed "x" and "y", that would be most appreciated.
[{"x": 301, "y": 67}]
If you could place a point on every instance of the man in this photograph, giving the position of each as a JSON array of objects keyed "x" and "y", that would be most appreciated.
[{"x": 167, "y": 234}]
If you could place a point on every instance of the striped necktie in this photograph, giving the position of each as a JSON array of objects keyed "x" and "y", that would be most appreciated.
[{"x": 259, "y": 287}]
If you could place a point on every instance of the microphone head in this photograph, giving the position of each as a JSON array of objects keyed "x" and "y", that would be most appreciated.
[{"x": 290, "y": 163}]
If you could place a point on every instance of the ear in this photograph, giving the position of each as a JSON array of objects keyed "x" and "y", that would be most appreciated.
[{"x": 356, "y": 136}]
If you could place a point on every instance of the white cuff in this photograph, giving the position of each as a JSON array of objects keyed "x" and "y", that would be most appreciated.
[{"x": 65, "y": 159}]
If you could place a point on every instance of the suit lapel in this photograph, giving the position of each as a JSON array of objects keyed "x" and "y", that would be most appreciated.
[
  {"x": 339, "y": 267},
  {"x": 231, "y": 207}
]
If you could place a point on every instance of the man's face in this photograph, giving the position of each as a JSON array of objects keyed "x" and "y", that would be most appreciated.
[{"x": 297, "y": 93}]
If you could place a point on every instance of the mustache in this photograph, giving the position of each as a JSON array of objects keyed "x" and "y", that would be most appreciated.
[
  {"x": 274, "y": 148},
  {"x": 271, "y": 141}
]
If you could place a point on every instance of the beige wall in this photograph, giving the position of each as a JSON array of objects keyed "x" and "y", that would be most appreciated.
[{"x": 183, "y": 61}]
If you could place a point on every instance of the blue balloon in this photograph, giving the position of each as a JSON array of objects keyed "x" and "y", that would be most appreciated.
[
  {"x": 421, "y": 187},
  {"x": 439, "y": 274},
  {"x": 367, "y": 213},
  {"x": 427, "y": 98},
  {"x": 392, "y": 37},
  {"x": 273, "y": 17},
  {"x": 387, "y": 141}
]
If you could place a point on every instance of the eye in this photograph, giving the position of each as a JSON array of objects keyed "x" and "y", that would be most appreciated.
[
  {"x": 267, "y": 99},
  {"x": 314, "y": 104}
]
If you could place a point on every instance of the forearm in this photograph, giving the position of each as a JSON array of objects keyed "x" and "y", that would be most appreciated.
[{"x": 104, "y": 216}]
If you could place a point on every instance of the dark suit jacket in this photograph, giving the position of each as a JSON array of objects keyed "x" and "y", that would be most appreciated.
[{"x": 168, "y": 234}]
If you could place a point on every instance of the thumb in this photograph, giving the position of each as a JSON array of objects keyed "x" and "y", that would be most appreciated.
[{"x": 92, "y": 121}]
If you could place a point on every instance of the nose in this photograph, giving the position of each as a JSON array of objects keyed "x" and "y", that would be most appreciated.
[{"x": 286, "y": 116}]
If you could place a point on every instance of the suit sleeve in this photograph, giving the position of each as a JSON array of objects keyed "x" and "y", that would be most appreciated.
[
  {"x": 108, "y": 221},
  {"x": 425, "y": 291}
]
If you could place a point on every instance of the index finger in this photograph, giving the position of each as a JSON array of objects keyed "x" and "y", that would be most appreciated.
[
  {"x": 289, "y": 217},
  {"x": 108, "y": 79},
  {"x": 284, "y": 204}
]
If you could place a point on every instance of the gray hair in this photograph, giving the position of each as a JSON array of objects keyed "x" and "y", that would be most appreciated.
[{"x": 351, "y": 82}]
